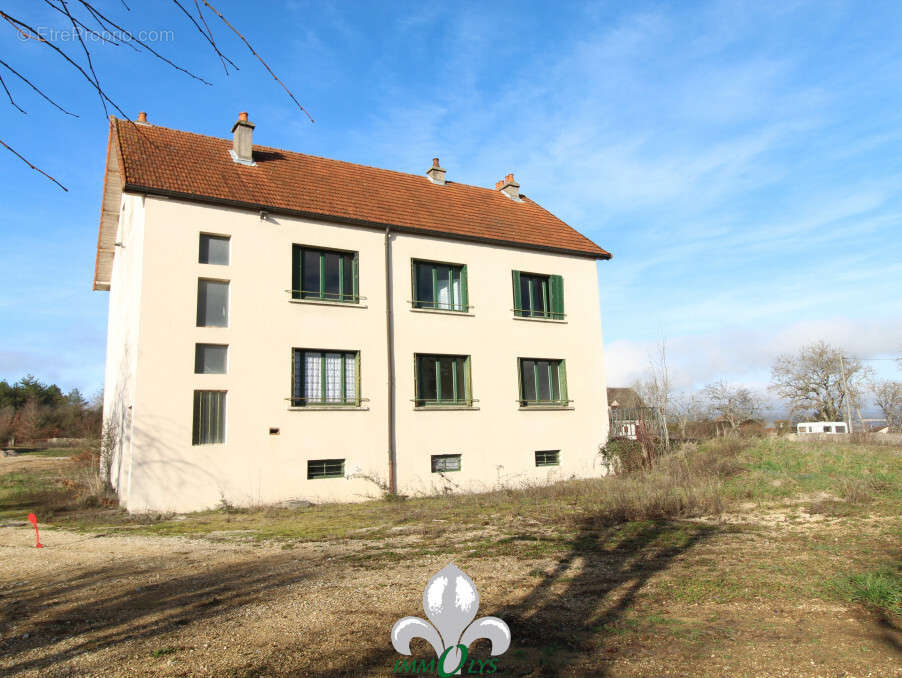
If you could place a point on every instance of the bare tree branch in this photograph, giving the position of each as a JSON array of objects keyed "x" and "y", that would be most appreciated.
[
  {"x": 34, "y": 87},
  {"x": 100, "y": 17},
  {"x": 259, "y": 58},
  {"x": 36, "y": 169},
  {"x": 9, "y": 94},
  {"x": 90, "y": 31},
  {"x": 208, "y": 36},
  {"x": 65, "y": 9}
]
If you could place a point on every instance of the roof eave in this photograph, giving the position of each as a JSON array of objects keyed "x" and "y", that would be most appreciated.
[
  {"x": 111, "y": 199},
  {"x": 240, "y": 204}
]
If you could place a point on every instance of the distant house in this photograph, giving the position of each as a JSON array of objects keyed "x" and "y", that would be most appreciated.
[
  {"x": 626, "y": 410},
  {"x": 831, "y": 427}
]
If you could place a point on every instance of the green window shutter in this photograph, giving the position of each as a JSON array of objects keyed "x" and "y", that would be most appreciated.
[
  {"x": 464, "y": 293},
  {"x": 356, "y": 297},
  {"x": 517, "y": 305},
  {"x": 296, "y": 272},
  {"x": 557, "y": 297},
  {"x": 563, "y": 376}
]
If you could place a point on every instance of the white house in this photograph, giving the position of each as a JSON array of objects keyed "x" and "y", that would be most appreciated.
[
  {"x": 822, "y": 427},
  {"x": 284, "y": 326}
]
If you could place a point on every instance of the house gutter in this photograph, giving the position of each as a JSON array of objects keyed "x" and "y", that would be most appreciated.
[{"x": 390, "y": 349}]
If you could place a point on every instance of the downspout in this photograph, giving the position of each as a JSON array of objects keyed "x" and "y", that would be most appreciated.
[{"x": 390, "y": 347}]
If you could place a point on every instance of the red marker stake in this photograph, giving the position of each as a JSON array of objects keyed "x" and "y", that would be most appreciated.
[{"x": 34, "y": 521}]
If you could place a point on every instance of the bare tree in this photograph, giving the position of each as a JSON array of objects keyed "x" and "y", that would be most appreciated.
[
  {"x": 28, "y": 421},
  {"x": 733, "y": 404},
  {"x": 685, "y": 409},
  {"x": 888, "y": 397},
  {"x": 656, "y": 389},
  {"x": 86, "y": 28},
  {"x": 812, "y": 383}
]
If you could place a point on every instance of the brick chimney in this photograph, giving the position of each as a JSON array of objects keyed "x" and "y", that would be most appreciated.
[
  {"x": 509, "y": 187},
  {"x": 142, "y": 119},
  {"x": 242, "y": 150},
  {"x": 435, "y": 173}
]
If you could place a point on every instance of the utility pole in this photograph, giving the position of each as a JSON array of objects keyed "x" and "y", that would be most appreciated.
[{"x": 845, "y": 388}]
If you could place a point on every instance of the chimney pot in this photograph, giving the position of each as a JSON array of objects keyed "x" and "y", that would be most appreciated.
[
  {"x": 142, "y": 118},
  {"x": 435, "y": 173},
  {"x": 509, "y": 187},
  {"x": 242, "y": 150}
]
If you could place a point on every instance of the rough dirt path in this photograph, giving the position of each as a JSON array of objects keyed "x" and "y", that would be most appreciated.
[{"x": 146, "y": 606}]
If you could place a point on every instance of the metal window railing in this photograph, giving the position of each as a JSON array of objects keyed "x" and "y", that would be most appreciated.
[
  {"x": 319, "y": 295},
  {"x": 306, "y": 402}
]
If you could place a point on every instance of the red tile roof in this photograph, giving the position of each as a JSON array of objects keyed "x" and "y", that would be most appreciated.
[{"x": 176, "y": 163}]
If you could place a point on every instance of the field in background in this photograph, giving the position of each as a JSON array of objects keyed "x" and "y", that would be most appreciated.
[{"x": 761, "y": 557}]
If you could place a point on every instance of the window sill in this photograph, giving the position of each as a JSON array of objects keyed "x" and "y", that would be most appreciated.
[
  {"x": 441, "y": 311},
  {"x": 441, "y": 408},
  {"x": 326, "y": 302},
  {"x": 329, "y": 408},
  {"x": 541, "y": 320},
  {"x": 544, "y": 408}
]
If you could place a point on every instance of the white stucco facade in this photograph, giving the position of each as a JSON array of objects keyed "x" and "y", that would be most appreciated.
[{"x": 151, "y": 380}]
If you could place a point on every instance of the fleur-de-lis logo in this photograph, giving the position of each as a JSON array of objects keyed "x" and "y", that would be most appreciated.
[{"x": 450, "y": 601}]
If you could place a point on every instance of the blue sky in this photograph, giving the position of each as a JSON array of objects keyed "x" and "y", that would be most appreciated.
[{"x": 743, "y": 161}]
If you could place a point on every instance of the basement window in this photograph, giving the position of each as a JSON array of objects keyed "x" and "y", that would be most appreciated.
[
  {"x": 548, "y": 458},
  {"x": 325, "y": 468},
  {"x": 442, "y": 463}
]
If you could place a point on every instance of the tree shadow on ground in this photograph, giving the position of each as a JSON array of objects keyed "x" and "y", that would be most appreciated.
[
  {"x": 558, "y": 627},
  {"x": 81, "y": 609}
]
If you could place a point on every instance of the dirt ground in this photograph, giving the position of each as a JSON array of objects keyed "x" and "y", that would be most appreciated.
[
  {"x": 95, "y": 605},
  {"x": 744, "y": 594}
]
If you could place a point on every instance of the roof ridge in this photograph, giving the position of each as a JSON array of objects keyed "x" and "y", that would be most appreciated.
[{"x": 322, "y": 157}]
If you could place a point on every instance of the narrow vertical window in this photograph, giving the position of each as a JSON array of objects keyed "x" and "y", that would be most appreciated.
[
  {"x": 214, "y": 249},
  {"x": 542, "y": 382},
  {"x": 538, "y": 296},
  {"x": 212, "y": 303},
  {"x": 324, "y": 275},
  {"x": 209, "y": 417},
  {"x": 440, "y": 286}
]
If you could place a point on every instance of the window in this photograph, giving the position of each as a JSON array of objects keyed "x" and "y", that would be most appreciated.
[
  {"x": 548, "y": 458},
  {"x": 325, "y": 468},
  {"x": 323, "y": 275},
  {"x": 840, "y": 428},
  {"x": 214, "y": 249},
  {"x": 542, "y": 382},
  {"x": 209, "y": 417},
  {"x": 442, "y": 463},
  {"x": 443, "y": 380},
  {"x": 212, "y": 303},
  {"x": 210, "y": 358},
  {"x": 440, "y": 286},
  {"x": 538, "y": 296},
  {"x": 828, "y": 429},
  {"x": 325, "y": 378}
]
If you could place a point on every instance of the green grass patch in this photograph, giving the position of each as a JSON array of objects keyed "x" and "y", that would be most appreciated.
[{"x": 878, "y": 589}]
